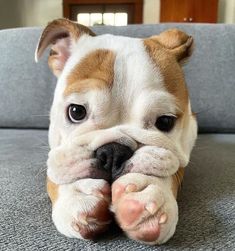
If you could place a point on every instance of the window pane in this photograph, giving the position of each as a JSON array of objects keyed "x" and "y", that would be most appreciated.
[
  {"x": 108, "y": 18},
  {"x": 96, "y": 19},
  {"x": 120, "y": 19},
  {"x": 84, "y": 18}
]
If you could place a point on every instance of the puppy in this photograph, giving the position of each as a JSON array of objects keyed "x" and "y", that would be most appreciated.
[{"x": 121, "y": 117}]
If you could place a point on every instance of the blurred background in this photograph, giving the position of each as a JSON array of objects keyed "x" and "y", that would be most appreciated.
[{"x": 27, "y": 13}]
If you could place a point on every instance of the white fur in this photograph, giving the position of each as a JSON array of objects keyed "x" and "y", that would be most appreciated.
[{"x": 74, "y": 199}]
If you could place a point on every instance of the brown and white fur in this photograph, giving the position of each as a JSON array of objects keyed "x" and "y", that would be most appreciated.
[{"x": 125, "y": 84}]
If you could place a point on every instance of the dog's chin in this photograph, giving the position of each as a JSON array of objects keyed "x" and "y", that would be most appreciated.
[{"x": 88, "y": 169}]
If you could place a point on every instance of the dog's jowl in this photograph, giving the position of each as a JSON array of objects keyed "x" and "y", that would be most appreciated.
[{"x": 121, "y": 130}]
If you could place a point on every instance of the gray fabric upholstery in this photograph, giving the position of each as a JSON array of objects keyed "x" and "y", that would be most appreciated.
[
  {"x": 206, "y": 202},
  {"x": 26, "y": 88}
]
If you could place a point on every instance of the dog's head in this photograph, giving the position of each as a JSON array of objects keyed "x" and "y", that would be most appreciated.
[{"x": 121, "y": 104}]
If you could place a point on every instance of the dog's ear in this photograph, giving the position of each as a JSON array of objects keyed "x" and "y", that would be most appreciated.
[
  {"x": 60, "y": 34},
  {"x": 177, "y": 42}
]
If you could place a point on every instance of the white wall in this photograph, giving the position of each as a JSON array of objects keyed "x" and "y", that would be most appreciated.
[
  {"x": 9, "y": 14},
  {"x": 226, "y": 13},
  {"x": 19, "y": 13},
  {"x": 40, "y": 12},
  {"x": 151, "y": 11}
]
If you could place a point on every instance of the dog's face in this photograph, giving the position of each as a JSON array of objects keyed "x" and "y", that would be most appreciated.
[{"x": 121, "y": 104}]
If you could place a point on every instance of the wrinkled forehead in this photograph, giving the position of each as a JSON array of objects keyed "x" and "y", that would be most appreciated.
[{"x": 123, "y": 65}]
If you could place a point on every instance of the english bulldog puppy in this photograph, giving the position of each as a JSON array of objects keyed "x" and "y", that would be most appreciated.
[{"x": 121, "y": 130}]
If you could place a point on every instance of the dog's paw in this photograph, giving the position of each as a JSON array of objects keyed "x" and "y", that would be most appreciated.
[
  {"x": 82, "y": 208},
  {"x": 145, "y": 207}
]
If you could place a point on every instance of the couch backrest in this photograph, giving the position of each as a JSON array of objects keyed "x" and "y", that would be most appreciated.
[{"x": 26, "y": 88}]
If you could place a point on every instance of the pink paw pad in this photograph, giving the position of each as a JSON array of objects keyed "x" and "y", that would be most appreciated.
[
  {"x": 130, "y": 211},
  {"x": 148, "y": 233},
  {"x": 118, "y": 190}
]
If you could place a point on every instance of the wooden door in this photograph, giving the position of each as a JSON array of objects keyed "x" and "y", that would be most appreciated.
[
  {"x": 198, "y": 11},
  {"x": 204, "y": 11},
  {"x": 174, "y": 10}
]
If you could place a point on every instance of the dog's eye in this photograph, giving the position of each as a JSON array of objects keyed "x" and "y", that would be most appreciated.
[
  {"x": 165, "y": 123},
  {"x": 76, "y": 113}
]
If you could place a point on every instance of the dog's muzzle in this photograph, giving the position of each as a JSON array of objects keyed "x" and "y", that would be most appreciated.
[
  {"x": 110, "y": 153},
  {"x": 112, "y": 157}
]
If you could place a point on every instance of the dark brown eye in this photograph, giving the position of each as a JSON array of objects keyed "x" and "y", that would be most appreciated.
[
  {"x": 76, "y": 113},
  {"x": 165, "y": 123}
]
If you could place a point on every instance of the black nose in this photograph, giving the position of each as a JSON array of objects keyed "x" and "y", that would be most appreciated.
[{"x": 112, "y": 156}]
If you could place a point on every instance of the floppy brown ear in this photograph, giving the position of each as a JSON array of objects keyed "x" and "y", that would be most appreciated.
[
  {"x": 177, "y": 42},
  {"x": 60, "y": 34}
]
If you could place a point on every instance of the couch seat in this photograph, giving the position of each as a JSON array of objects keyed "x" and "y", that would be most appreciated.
[{"x": 206, "y": 201}]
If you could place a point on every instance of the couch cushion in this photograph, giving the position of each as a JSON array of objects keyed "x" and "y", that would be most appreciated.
[
  {"x": 206, "y": 202},
  {"x": 26, "y": 88}
]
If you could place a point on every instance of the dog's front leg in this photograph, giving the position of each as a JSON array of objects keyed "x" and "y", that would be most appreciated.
[
  {"x": 80, "y": 209},
  {"x": 145, "y": 206}
]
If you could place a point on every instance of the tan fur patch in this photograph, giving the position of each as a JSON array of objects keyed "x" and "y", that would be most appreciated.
[
  {"x": 170, "y": 70},
  {"x": 52, "y": 190},
  {"x": 96, "y": 70},
  {"x": 177, "y": 179},
  {"x": 178, "y": 42}
]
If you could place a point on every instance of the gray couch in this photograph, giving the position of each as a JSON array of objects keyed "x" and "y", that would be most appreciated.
[{"x": 207, "y": 199}]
